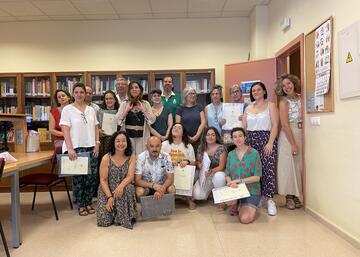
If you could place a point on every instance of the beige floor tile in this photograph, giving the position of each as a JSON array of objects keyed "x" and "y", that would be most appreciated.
[{"x": 206, "y": 231}]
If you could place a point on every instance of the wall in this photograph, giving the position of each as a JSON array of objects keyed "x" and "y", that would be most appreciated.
[
  {"x": 333, "y": 175},
  {"x": 124, "y": 45},
  {"x": 258, "y": 27}
]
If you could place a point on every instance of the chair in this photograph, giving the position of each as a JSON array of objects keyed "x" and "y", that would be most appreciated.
[
  {"x": 46, "y": 179},
  {"x": 2, "y": 165}
]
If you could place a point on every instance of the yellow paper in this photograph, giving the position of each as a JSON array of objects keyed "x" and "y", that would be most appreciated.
[
  {"x": 225, "y": 194},
  {"x": 80, "y": 166},
  {"x": 184, "y": 179}
]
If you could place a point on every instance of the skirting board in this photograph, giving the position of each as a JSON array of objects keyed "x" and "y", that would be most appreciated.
[{"x": 334, "y": 228}]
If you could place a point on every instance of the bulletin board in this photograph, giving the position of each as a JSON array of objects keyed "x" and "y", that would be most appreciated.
[{"x": 312, "y": 100}]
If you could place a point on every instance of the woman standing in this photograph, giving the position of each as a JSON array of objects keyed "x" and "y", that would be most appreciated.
[
  {"x": 180, "y": 151},
  {"x": 192, "y": 116},
  {"x": 214, "y": 110},
  {"x": 164, "y": 120},
  {"x": 289, "y": 162},
  {"x": 116, "y": 195},
  {"x": 110, "y": 106},
  {"x": 261, "y": 121},
  {"x": 136, "y": 116},
  {"x": 61, "y": 98},
  {"x": 212, "y": 149},
  {"x": 81, "y": 133},
  {"x": 244, "y": 166}
]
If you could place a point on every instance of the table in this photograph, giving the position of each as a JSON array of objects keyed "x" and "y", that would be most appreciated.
[{"x": 25, "y": 161}]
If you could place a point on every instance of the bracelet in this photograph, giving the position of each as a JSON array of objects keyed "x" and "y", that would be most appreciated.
[
  {"x": 98, "y": 142},
  {"x": 109, "y": 197}
]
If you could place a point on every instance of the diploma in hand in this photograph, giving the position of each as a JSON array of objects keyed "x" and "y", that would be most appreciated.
[
  {"x": 109, "y": 124},
  {"x": 80, "y": 166},
  {"x": 184, "y": 179},
  {"x": 225, "y": 194},
  {"x": 231, "y": 114}
]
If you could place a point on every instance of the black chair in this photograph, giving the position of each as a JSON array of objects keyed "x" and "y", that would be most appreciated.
[
  {"x": 2, "y": 165},
  {"x": 46, "y": 179}
]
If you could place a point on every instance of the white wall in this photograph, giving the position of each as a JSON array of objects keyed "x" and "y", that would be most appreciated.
[
  {"x": 332, "y": 150},
  {"x": 124, "y": 45},
  {"x": 258, "y": 28}
]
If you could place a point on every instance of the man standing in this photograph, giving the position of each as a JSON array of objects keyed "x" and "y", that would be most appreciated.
[
  {"x": 154, "y": 173},
  {"x": 121, "y": 90},
  {"x": 168, "y": 98},
  {"x": 88, "y": 98}
]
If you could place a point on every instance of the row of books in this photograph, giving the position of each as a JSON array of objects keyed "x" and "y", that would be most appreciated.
[
  {"x": 68, "y": 83},
  {"x": 44, "y": 135},
  {"x": 200, "y": 85},
  {"x": 38, "y": 112},
  {"x": 100, "y": 85},
  {"x": 8, "y": 109},
  {"x": 8, "y": 88},
  {"x": 35, "y": 87}
]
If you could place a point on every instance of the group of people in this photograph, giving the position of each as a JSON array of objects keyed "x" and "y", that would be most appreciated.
[{"x": 151, "y": 140}]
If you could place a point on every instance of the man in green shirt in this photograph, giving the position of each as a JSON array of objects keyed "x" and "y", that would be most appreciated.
[{"x": 168, "y": 98}]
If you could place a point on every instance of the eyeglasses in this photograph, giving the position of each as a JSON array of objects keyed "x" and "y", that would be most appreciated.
[
  {"x": 235, "y": 92},
  {"x": 83, "y": 117}
]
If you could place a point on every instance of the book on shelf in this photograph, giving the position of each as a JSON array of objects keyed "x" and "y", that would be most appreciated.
[
  {"x": 35, "y": 87},
  {"x": 100, "y": 85},
  {"x": 67, "y": 83},
  {"x": 144, "y": 84},
  {"x": 38, "y": 112},
  {"x": 11, "y": 135},
  {"x": 200, "y": 85},
  {"x": 8, "y": 109},
  {"x": 8, "y": 88},
  {"x": 159, "y": 84},
  {"x": 44, "y": 135}
]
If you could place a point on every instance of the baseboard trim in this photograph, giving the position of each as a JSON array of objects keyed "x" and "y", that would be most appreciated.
[{"x": 333, "y": 227}]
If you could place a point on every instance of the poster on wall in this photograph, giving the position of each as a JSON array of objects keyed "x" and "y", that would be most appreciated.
[
  {"x": 322, "y": 58},
  {"x": 246, "y": 85},
  {"x": 349, "y": 61}
]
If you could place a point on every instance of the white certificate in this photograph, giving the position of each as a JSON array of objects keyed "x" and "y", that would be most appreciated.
[
  {"x": 204, "y": 169},
  {"x": 184, "y": 179},
  {"x": 109, "y": 124},
  {"x": 80, "y": 166},
  {"x": 225, "y": 194},
  {"x": 231, "y": 113}
]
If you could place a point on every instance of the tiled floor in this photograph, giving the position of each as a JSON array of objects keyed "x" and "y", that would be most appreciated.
[{"x": 206, "y": 231}]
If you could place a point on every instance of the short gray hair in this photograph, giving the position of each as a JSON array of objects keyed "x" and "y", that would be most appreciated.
[{"x": 186, "y": 91}]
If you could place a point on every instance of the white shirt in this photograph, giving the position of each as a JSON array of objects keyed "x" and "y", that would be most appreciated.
[
  {"x": 120, "y": 101},
  {"x": 81, "y": 124},
  {"x": 154, "y": 170},
  {"x": 179, "y": 152},
  {"x": 259, "y": 121}
]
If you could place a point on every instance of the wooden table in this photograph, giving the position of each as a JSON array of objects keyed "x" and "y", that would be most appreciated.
[{"x": 25, "y": 161}]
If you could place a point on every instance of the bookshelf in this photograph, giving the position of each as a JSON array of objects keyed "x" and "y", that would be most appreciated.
[
  {"x": 66, "y": 80},
  {"x": 10, "y": 85},
  {"x": 100, "y": 83},
  {"x": 143, "y": 77},
  {"x": 176, "y": 76}
]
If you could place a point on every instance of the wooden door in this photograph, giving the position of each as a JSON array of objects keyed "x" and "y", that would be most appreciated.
[{"x": 263, "y": 70}]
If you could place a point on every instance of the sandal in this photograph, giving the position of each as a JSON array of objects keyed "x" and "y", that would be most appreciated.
[
  {"x": 90, "y": 209},
  {"x": 83, "y": 211},
  {"x": 298, "y": 204},
  {"x": 290, "y": 204}
]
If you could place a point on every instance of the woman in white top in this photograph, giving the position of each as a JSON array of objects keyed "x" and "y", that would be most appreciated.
[
  {"x": 214, "y": 110},
  {"x": 180, "y": 151},
  {"x": 289, "y": 162},
  {"x": 81, "y": 134},
  {"x": 261, "y": 121}
]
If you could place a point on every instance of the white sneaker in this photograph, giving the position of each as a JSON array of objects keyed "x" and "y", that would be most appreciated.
[{"x": 271, "y": 206}]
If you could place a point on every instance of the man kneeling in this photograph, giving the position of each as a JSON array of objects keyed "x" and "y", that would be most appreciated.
[{"x": 154, "y": 173}]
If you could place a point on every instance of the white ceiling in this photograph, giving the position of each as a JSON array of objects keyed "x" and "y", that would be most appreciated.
[{"x": 32, "y": 10}]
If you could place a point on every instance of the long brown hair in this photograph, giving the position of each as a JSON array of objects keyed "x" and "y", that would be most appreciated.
[{"x": 135, "y": 99}]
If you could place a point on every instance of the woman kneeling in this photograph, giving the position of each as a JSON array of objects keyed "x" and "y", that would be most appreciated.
[
  {"x": 116, "y": 194},
  {"x": 244, "y": 166}
]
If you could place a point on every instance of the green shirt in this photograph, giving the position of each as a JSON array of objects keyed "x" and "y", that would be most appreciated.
[
  {"x": 248, "y": 166},
  {"x": 173, "y": 102}
]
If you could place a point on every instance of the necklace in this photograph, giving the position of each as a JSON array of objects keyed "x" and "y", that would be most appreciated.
[
  {"x": 217, "y": 110},
  {"x": 158, "y": 111}
]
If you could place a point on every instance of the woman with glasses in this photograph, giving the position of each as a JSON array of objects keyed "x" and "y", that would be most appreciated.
[
  {"x": 80, "y": 126},
  {"x": 191, "y": 115},
  {"x": 214, "y": 110},
  {"x": 164, "y": 120},
  {"x": 136, "y": 115}
]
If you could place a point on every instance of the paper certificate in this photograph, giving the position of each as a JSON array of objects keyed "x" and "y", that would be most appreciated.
[
  {"x": 109, "y": 124},
  {"x": 231, "y": 114},
  {"x": 80, "y": 166},
  {"x": 225, "y": 194},
  {"x": 184, "y": 179},
  {"x": 204, "y": 168}
]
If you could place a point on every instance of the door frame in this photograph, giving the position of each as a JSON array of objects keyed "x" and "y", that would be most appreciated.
[{"x": 282, "y": 66}]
